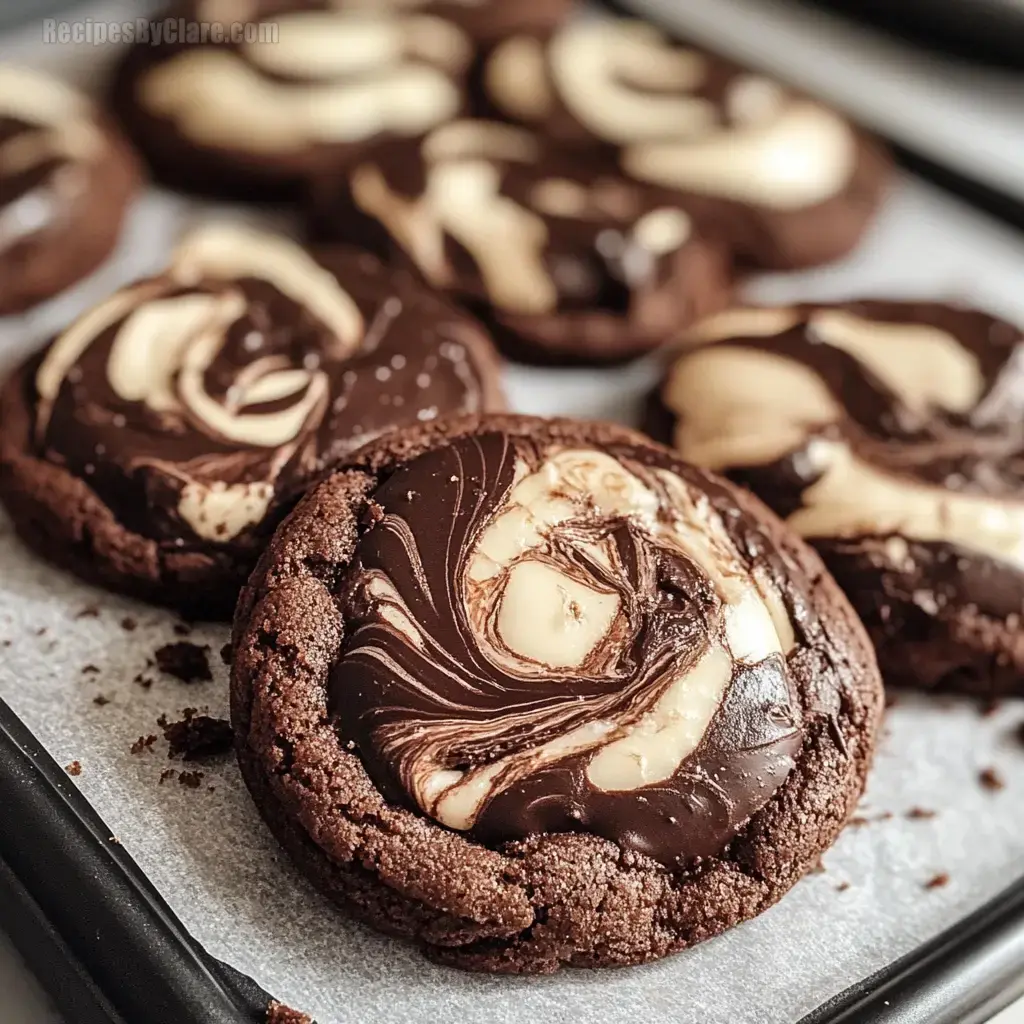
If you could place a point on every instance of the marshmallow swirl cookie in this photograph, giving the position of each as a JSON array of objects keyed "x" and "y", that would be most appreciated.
[
  {"x": 538, "y": 693},
  {"x": 786, "y": 180},
  {"x": 66, "y": 181},
  {"x": 564, "y": 257},
  {"x": 298, "y": 83},
  {"x": 157, "y": 442},
  {"x": 890, "y": 436}
]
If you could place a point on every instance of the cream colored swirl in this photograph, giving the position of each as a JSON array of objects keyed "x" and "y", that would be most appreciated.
[
  {"x": 753, "y": 392},
  {"x": 169, "y": 333},
  {"x": 628, "y": 84},
  {"x": 349, "y": 78},
  {"x": 64, "y": 120},
  {"x": 466, "y": 197},
  {"x": 601, "y": 614}
]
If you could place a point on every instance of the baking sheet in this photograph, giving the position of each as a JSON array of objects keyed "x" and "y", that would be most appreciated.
[{"x": 210, "y": 856}]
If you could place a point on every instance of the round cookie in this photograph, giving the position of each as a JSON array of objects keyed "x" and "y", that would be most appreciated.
[
  {"x": 538, "y": 693},
  {"x": 567, "y": 260},
  {"x": 307, "y": 83},
  {"x": 889, "y": 435},
  {"x": 66, "y": 181},
  {"x": 156, "y": 443},
  {"x": 787, "y": 181}
]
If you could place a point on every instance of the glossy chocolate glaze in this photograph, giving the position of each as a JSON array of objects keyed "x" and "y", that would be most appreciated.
[{"x": 399, "y": 701}]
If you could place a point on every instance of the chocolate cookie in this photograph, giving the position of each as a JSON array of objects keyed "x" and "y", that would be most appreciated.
[
  {"x": 890, "y": 435},
  {"x": 787, "y": 181},
  {"x": 157, "y": 442},
  {"x": 66, "y": 181},
  {"x": 565, "y": 258},
  {"x": 538, "y": 693},
  {"x": 303, "y": 83}
]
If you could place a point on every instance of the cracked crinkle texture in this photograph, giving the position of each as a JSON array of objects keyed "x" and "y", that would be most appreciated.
[{"x": 551, "y": 899}]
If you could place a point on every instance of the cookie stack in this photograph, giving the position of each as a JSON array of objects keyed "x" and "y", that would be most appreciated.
[{"x": 534, "y": 692}]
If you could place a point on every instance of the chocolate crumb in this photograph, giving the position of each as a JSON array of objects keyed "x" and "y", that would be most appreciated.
[
  {"x": 90, "y": 611},
  {"x": 128, "y": 624},
  {"x": 141, "y": 680},
  {"x": 167, "y": 773},
  {"x": 991, "y": 779},
  {"x": 182, "y": 629},
  {"x": 920, "y": 813},
  {"x": 185, "y": 661},
  {"x": 75, "y": 768},
  {"x": 862, "y": 819},
  {"x": 278, "y": 1013},
  {"x": 842, "y": 886},
  {"x": 143, "y": 743},
  {"x": 196, "y": 736},
  {"x": 5, "y": 643},
  {"x": 227, "y": 653},
  {"x": 100, "y": 701},
  {"x": 191, "y": 780},
  {"x": 938, "y": 881},
  {"x": 41, "y": 631},
  {"x": 90, "y": 670}
]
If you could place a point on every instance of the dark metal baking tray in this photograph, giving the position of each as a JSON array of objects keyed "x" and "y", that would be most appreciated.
[{"x": 110, "y": 951}]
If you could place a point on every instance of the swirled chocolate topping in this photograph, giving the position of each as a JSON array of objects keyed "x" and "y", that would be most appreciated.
[
  {"x": 545, "y": 638},
  {"x": 504, "y": 218},
  {"x": 49, "y": 145},
  {"x": 328, "y": 75},
  {"x": 869, "y": 420},
  {"x": 196, "y": 402},
  {"x": 677, "y": 117}
]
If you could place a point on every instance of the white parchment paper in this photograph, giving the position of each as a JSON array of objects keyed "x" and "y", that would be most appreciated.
[{"x": 208, "y": 853}]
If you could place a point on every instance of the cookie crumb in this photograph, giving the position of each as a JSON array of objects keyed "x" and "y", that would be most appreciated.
[
  {"x": 100, "y": 701},
  {"x": 128, "y": 624},
  {"x": 227, "y": 653},
  {"x": 842, "y": 886},
  {"x": 41, "y": 631},
  {"x": 278, "y": 1013},
  {"x": 143, "y": 743},
  {"x": 196, "y": 736},
  {"x": 75, "y": 768},
  {"x": 185, "y": 661},
  {"x": 920, "y": 814},
  {"x": 191, "y": 780},
  {"x": 90, "y": 670},
  {"x": 938, "y": 881},
  {"x": 167, "y": 773},
  {"x": 90, "y": 611},
  {"x": 143, "y": 681},
  {"x": 991, "y": 779},
  {"x": 5, "y": 643}
]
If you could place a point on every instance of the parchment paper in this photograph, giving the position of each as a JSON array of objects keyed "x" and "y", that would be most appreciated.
[{"x": 208, "y": 853}]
